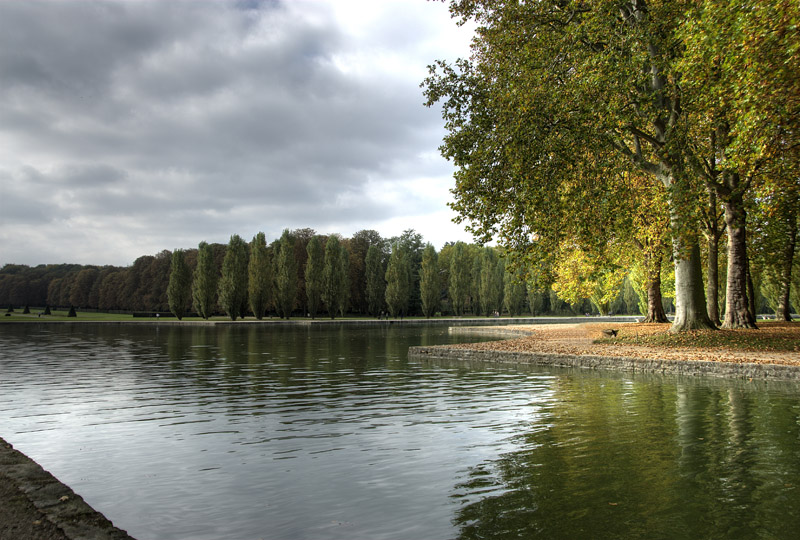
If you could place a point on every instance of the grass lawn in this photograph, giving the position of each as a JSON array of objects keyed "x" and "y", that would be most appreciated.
[
  {"x": 57, "y": 315},
  {"x": 61, "y": 315}
]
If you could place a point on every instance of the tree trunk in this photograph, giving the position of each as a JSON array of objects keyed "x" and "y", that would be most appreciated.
[
  {"x": 712, "y": 279},
  {"x": 713, "y": 234},
  {"x": 751, "y": 291},
  {"x": 655, "y": 306},
  {"x": 690, "y": 300},
  {"x": 784, "y": 312},
  {"x": 737, "y": 308}
]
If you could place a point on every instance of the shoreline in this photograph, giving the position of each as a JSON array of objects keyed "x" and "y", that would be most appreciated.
[
  {"x": 436, "y": 321},
  {"x": 693, "y": 368},
  {"x": 36, "y": 504},
  {"x": 574, "y": 349}
]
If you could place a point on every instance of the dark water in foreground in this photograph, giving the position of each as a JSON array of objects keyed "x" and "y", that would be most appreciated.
[{"x": 248, "y": 432}]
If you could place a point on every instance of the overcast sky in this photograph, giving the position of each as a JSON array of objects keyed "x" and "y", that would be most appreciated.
[{"x": 131, "y": 127}]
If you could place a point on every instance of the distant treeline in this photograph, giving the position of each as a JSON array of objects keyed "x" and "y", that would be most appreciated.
[{"x": 304, "y": 274}]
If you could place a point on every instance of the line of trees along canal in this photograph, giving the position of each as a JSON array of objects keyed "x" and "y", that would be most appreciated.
[
  {"x": 614, "y": 130},
  {"x": 306, "y": 274}
]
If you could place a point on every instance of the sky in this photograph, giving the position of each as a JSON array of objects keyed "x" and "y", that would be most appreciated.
[{"x": 130, "y": 127}]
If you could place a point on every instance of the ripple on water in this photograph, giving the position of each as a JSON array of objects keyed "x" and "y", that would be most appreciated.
[{"x": 247, "y": 433}]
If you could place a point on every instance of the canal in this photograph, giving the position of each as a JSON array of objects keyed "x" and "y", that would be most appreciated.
[{"x": 331, "y": 432}]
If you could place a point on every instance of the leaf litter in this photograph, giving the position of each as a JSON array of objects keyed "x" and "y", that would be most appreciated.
[{"x": 771, "y": 343}]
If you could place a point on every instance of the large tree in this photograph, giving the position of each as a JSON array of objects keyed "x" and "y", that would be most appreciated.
[
  {"x": 556, "y": 93},
  {"x": 179, "y": 290},
  {"x": 398, "y": 281},
  {"x": 376, "y": 280},
  {"x": 578, "y": 277},
  {"x": 514, "y": 293},
  {"x": 314, "y": 275},
  {"x": 204, "y": 282},
  {"x": 460, "y": 267},
  {"x": 301, "y": 239},
  {"x": 335, "y": 282},
  {"x": 411, "y": 244},
  {"x": 233, "y": 284},
  {"x": 344, "y": 300},
  {"x": 285, "y": 275},
  {"x": 740, "y": 85},
  {"x": 429, "y": 282},
  {"x": 490, "y": 281},
  {"x": 259, "y": 273},
  {"x": 777, "y": 214},
  {"x": 358, "y": 246},
  {"x": 82, "y": 287}
]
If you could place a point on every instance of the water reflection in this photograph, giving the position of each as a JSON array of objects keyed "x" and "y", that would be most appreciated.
[
  {"x": 253, "y": 432},
  {"x": 616, "y": 458}
]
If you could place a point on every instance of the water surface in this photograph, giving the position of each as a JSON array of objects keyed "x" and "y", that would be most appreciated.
[{"x": 264, "y": 432}]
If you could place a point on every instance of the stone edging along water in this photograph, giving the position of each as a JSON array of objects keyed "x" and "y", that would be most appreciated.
[
  {"x": 58, "y": 503},
  {"x": 436, "y": 321},
  {"x": 675, "y": 367}
]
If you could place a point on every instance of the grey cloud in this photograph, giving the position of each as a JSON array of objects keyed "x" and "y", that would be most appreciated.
[{"x": 205, "y": 116}]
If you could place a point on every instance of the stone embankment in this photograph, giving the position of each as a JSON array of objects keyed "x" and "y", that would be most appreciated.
[
  {"x": 677, "y": 367},
  {"x": 435, "y": 321},
  {"x": 35, "y": 505},
  {"x": 573, "y": 346}
]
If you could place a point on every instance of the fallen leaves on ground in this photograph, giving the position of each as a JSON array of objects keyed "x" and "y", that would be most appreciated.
[{"x": 772, "y": 343}]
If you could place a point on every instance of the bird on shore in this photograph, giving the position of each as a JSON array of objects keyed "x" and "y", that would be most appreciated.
[{"x": 611, "y": 333}]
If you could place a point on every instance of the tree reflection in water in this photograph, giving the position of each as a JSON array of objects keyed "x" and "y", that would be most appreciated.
[{"x": 647, "y": 457}]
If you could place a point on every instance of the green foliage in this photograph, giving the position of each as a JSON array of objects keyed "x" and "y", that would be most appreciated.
[
  {"x": 285, "y": 275},
  {"x": 638, "y": 281},
  {"x": 555, "y": 105},
  {"x": 490, "y": 281},
  {"x": 376, "y": 280},
  {"x": 739, "y": 69},
  {"x": 357, "y": 247},
  {"x": 429, "y": 282},
  {"x": 335, "y": 277},
  {"x": 537, "y": 286},
  {"x": 514, "y": 294},
  {"x": 411, "y": 243},
  {"x": 82, "y": 286},
  {"x": 204, "y": 282},
  {"x": 460, "y": 277},
  {"x": 631, "y": 298},
  {"x": 536, "y": 302},
  {"x": 770, "y": 287},
  {"x": 344, "y": 299},
  {"x": 72, "y": 312},
  {"x": 233, "y": 285},
  {"x": 578, "y": 277},
  {"x": 259, "y": 274},
  {"x": 314, "y": 275},
  {"x": 398, "y": 281},
  {"x": 179, "y": 290}
]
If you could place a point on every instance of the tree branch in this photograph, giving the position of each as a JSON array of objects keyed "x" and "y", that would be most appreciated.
[{"x": 649, "y": 138}]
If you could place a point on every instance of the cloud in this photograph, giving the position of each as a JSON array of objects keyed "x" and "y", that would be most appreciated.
[{"x": 131, "y": 127}]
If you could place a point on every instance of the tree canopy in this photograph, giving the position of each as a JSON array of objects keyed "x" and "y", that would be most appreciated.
[{"x": 561, "y": 103}]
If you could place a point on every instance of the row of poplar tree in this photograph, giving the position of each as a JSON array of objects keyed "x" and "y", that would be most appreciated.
[
  {"x": 399, "y": 277},
  {"x": 301, "y": 273},
  {"x": 306, "y": 274}
]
